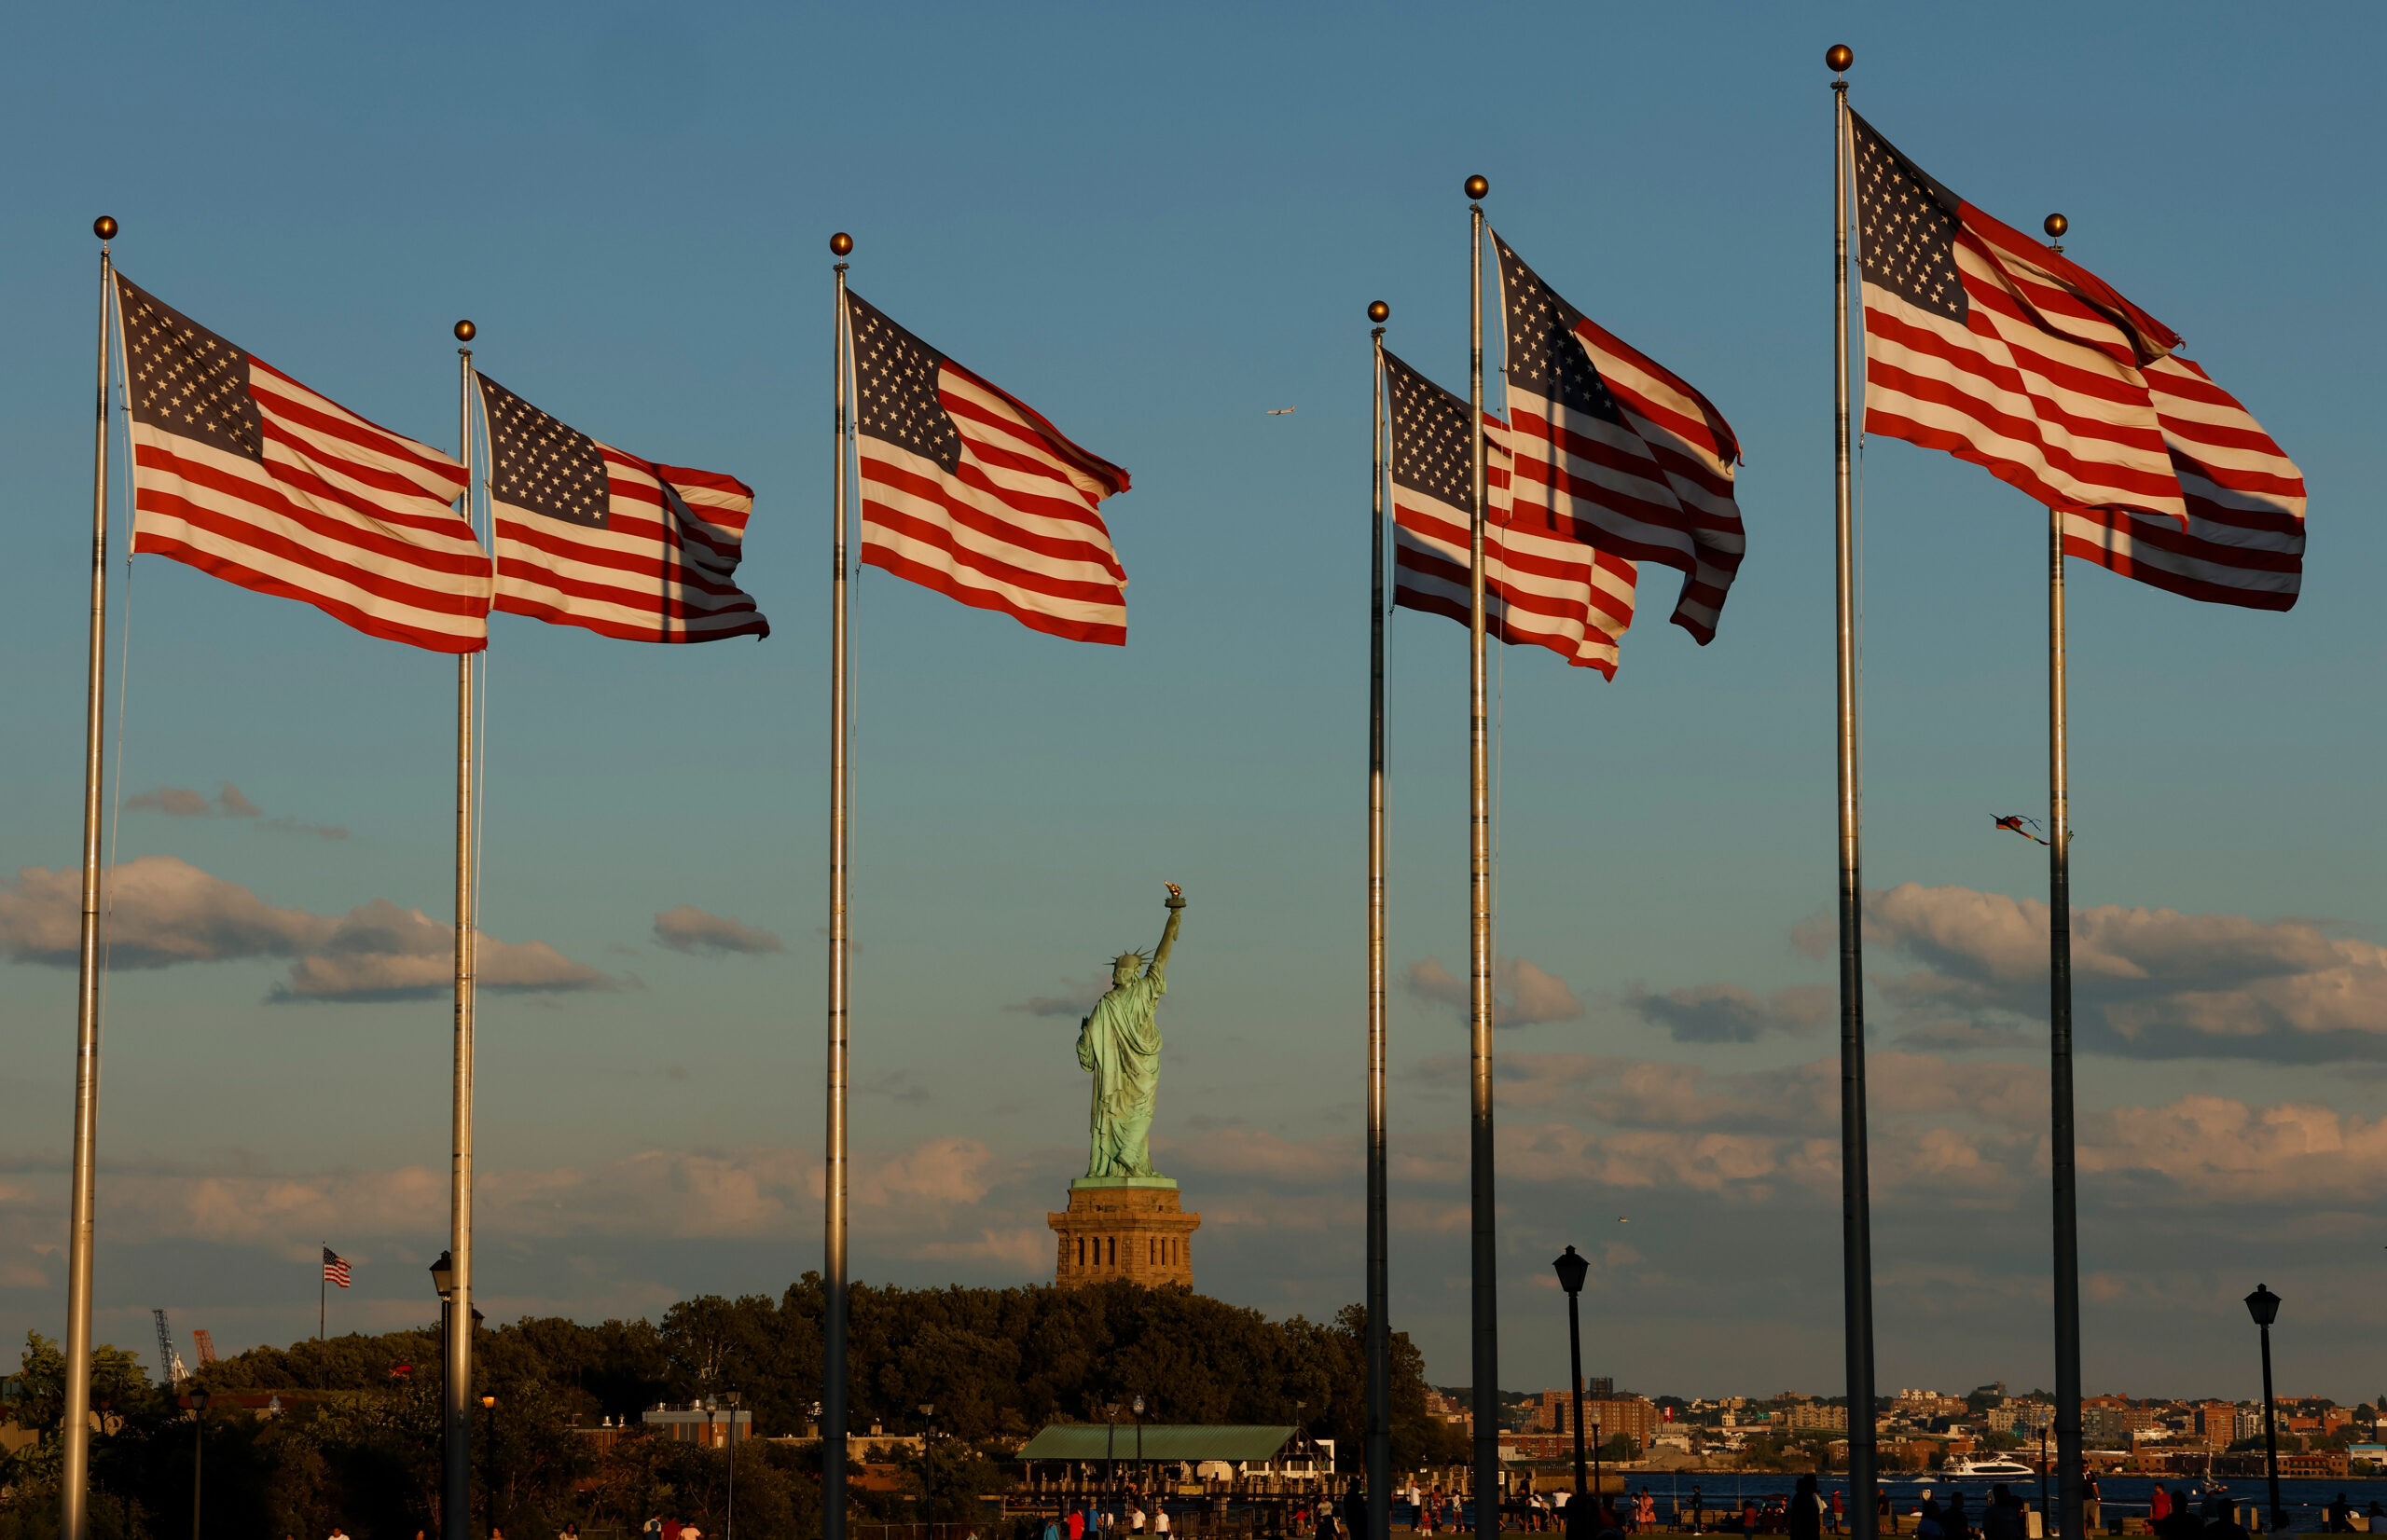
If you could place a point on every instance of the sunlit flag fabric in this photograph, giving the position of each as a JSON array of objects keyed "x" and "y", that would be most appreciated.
[
  {"x": 969, "y": 490},
  {"x": 334, "y": 1268},
  {"x": 1539, "y": 587},
  {"x": 1999, "y": 350},
  {"x": 242, "y": 472},
  {"x": 1615, "y": 450},
  {"x": 591, "y": 536}
]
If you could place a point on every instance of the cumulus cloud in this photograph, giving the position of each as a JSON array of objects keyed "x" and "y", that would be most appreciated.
[
  {"x": 2150, "y": 982},
  {"x": 1946, "y": 1136},
  {"x": 1521, "y": 992},
  {"x": 689, "y": 928},
  {"x": 165, "y": 911},
  {"x": 662, "y": 1193},
  {"x": 1726, "y": 1013}
]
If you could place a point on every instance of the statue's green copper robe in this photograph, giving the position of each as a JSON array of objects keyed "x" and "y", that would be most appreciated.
[{"x": 1120, "y": 1043}]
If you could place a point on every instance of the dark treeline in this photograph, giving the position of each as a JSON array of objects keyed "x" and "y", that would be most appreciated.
[{"x": 360, "y": 1444}]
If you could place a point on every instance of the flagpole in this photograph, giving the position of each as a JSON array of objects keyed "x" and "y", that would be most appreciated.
[
  {"x": 74, "y": 1475},
  {"x": 1487, "y": 1395},
  {"x": 1379, "y": 1343},
  {"x": 2060, "y": 1142},
  {"x": 456, "y": 1389},
  {"x": 832, "y": 1353},
  {"x": 1855, "y": 1171}
]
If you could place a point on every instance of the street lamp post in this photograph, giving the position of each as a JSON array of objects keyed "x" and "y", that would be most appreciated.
[
  {"x": 455, "y": 1486},
  {"x": 1572, "y": 1270},
  {"x": 730, "y": 1527},
  {"x": 197, "y": 1448},
  {"x": 1139, "y": 1444},
  {"x": 928, "y": 1463},
  {"x": 2263, "y": 1305}
]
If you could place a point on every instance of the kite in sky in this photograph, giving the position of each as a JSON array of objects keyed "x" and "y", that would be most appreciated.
[{"x": 2014, "y": 823}]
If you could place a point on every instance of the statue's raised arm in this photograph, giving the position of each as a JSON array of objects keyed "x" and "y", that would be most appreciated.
[{"x": 1169, "y": 934}]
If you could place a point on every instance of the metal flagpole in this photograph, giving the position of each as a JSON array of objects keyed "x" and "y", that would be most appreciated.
[
  {"x": 456, "y": 1388},
  {"x": 1379, "y": 1344},
  {"x": 1486, "y": 1396},
  {"x": 833, "y": 1326},
  {"x": 2060, "y": 1153},
  {"x": 75, "y": 1476},
  {"x": 1855, "y": 1173}
]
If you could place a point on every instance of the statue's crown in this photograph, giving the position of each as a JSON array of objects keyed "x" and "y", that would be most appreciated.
[{"x": 1126, "y": 958}]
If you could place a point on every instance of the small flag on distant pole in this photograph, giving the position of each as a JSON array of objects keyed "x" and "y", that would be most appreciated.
[
  {"x": 242, "y": 472},
  {"x": 334, "y": 1268},
  {"x": 969, "y": 490},
  {"x": 589, "y": 535}
]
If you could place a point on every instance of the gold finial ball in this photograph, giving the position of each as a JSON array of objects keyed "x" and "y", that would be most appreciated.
[
  {"x": 1839, "y": 56},
  {"x": 2055, "y": 226},
  {"x": 841, "y": 243},
  {"x": 467, "y": 331},
  {"x": 1378, "y": 310},
  {"x": 1477, "y": 186},
  {"x": 104, "y": 227}
]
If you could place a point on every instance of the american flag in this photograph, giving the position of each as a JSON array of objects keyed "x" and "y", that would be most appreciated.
[
  {"x": 334, "y": 1268},
  {"x": 1542, "y": 587},
  {"x": 1999, "y": 350},
  {"x": 1615, "y": 451},
  {"x": 241, "y": 471},
  {"x": 968, "y": 490},
  {"x": 589, "y": 536}
]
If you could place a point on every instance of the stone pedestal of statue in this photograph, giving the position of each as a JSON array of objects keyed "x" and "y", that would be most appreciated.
[{"x": 1125, "y": 1227}]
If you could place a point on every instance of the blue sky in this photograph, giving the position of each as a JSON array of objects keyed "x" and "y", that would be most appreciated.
[{"x": 1155, "y": 225}]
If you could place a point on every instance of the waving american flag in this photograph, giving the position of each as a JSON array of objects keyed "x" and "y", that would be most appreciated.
[{"x": 1999, "y": 350}]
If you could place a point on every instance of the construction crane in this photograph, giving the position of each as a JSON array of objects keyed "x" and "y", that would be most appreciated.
[
  {"x": 169, "y": 1360},
  {"x": 206, "y": 1347}
]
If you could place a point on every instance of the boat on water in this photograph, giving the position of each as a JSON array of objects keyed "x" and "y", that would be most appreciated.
[{"x": 1993, "y": 1467}]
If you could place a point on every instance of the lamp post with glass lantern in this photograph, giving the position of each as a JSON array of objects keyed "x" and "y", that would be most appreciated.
[
  {"x": 2263, "y": 1305},
  {"x": 1572, "y": 1269},
  {"x": 198, "y": 1447},
  {"x": 455, "y": 1484},
  {"x": 1139, "y": 1445}
]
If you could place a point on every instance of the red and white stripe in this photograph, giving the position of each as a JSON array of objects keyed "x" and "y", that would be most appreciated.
[
  {"x": 2037, "y": 385},
  {"x": 343, "y": 515},
  {"x": 2244, "y": 540},
  {"x": 334, "y": 1268},
  {"x": 1541, "y": 587},
  {"x": 663, "y": 568},
  {"x": 2061, "y": 387},
  {"x": 1016, "y": 527}
]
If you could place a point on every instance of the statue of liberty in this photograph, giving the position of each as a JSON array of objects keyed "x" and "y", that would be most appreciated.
[{"x": 1119, "y": 1042}]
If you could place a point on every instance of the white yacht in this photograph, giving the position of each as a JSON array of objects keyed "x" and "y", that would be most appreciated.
[{"x": 1995, "y": 1467}]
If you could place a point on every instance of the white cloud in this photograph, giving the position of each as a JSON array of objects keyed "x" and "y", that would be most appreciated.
[
  {"x": 163, "y": 911},
  {"x": 2149, "y": 983},
  {"x": 689, "y": 928},
  {"x": 1521, "y": 992}
]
